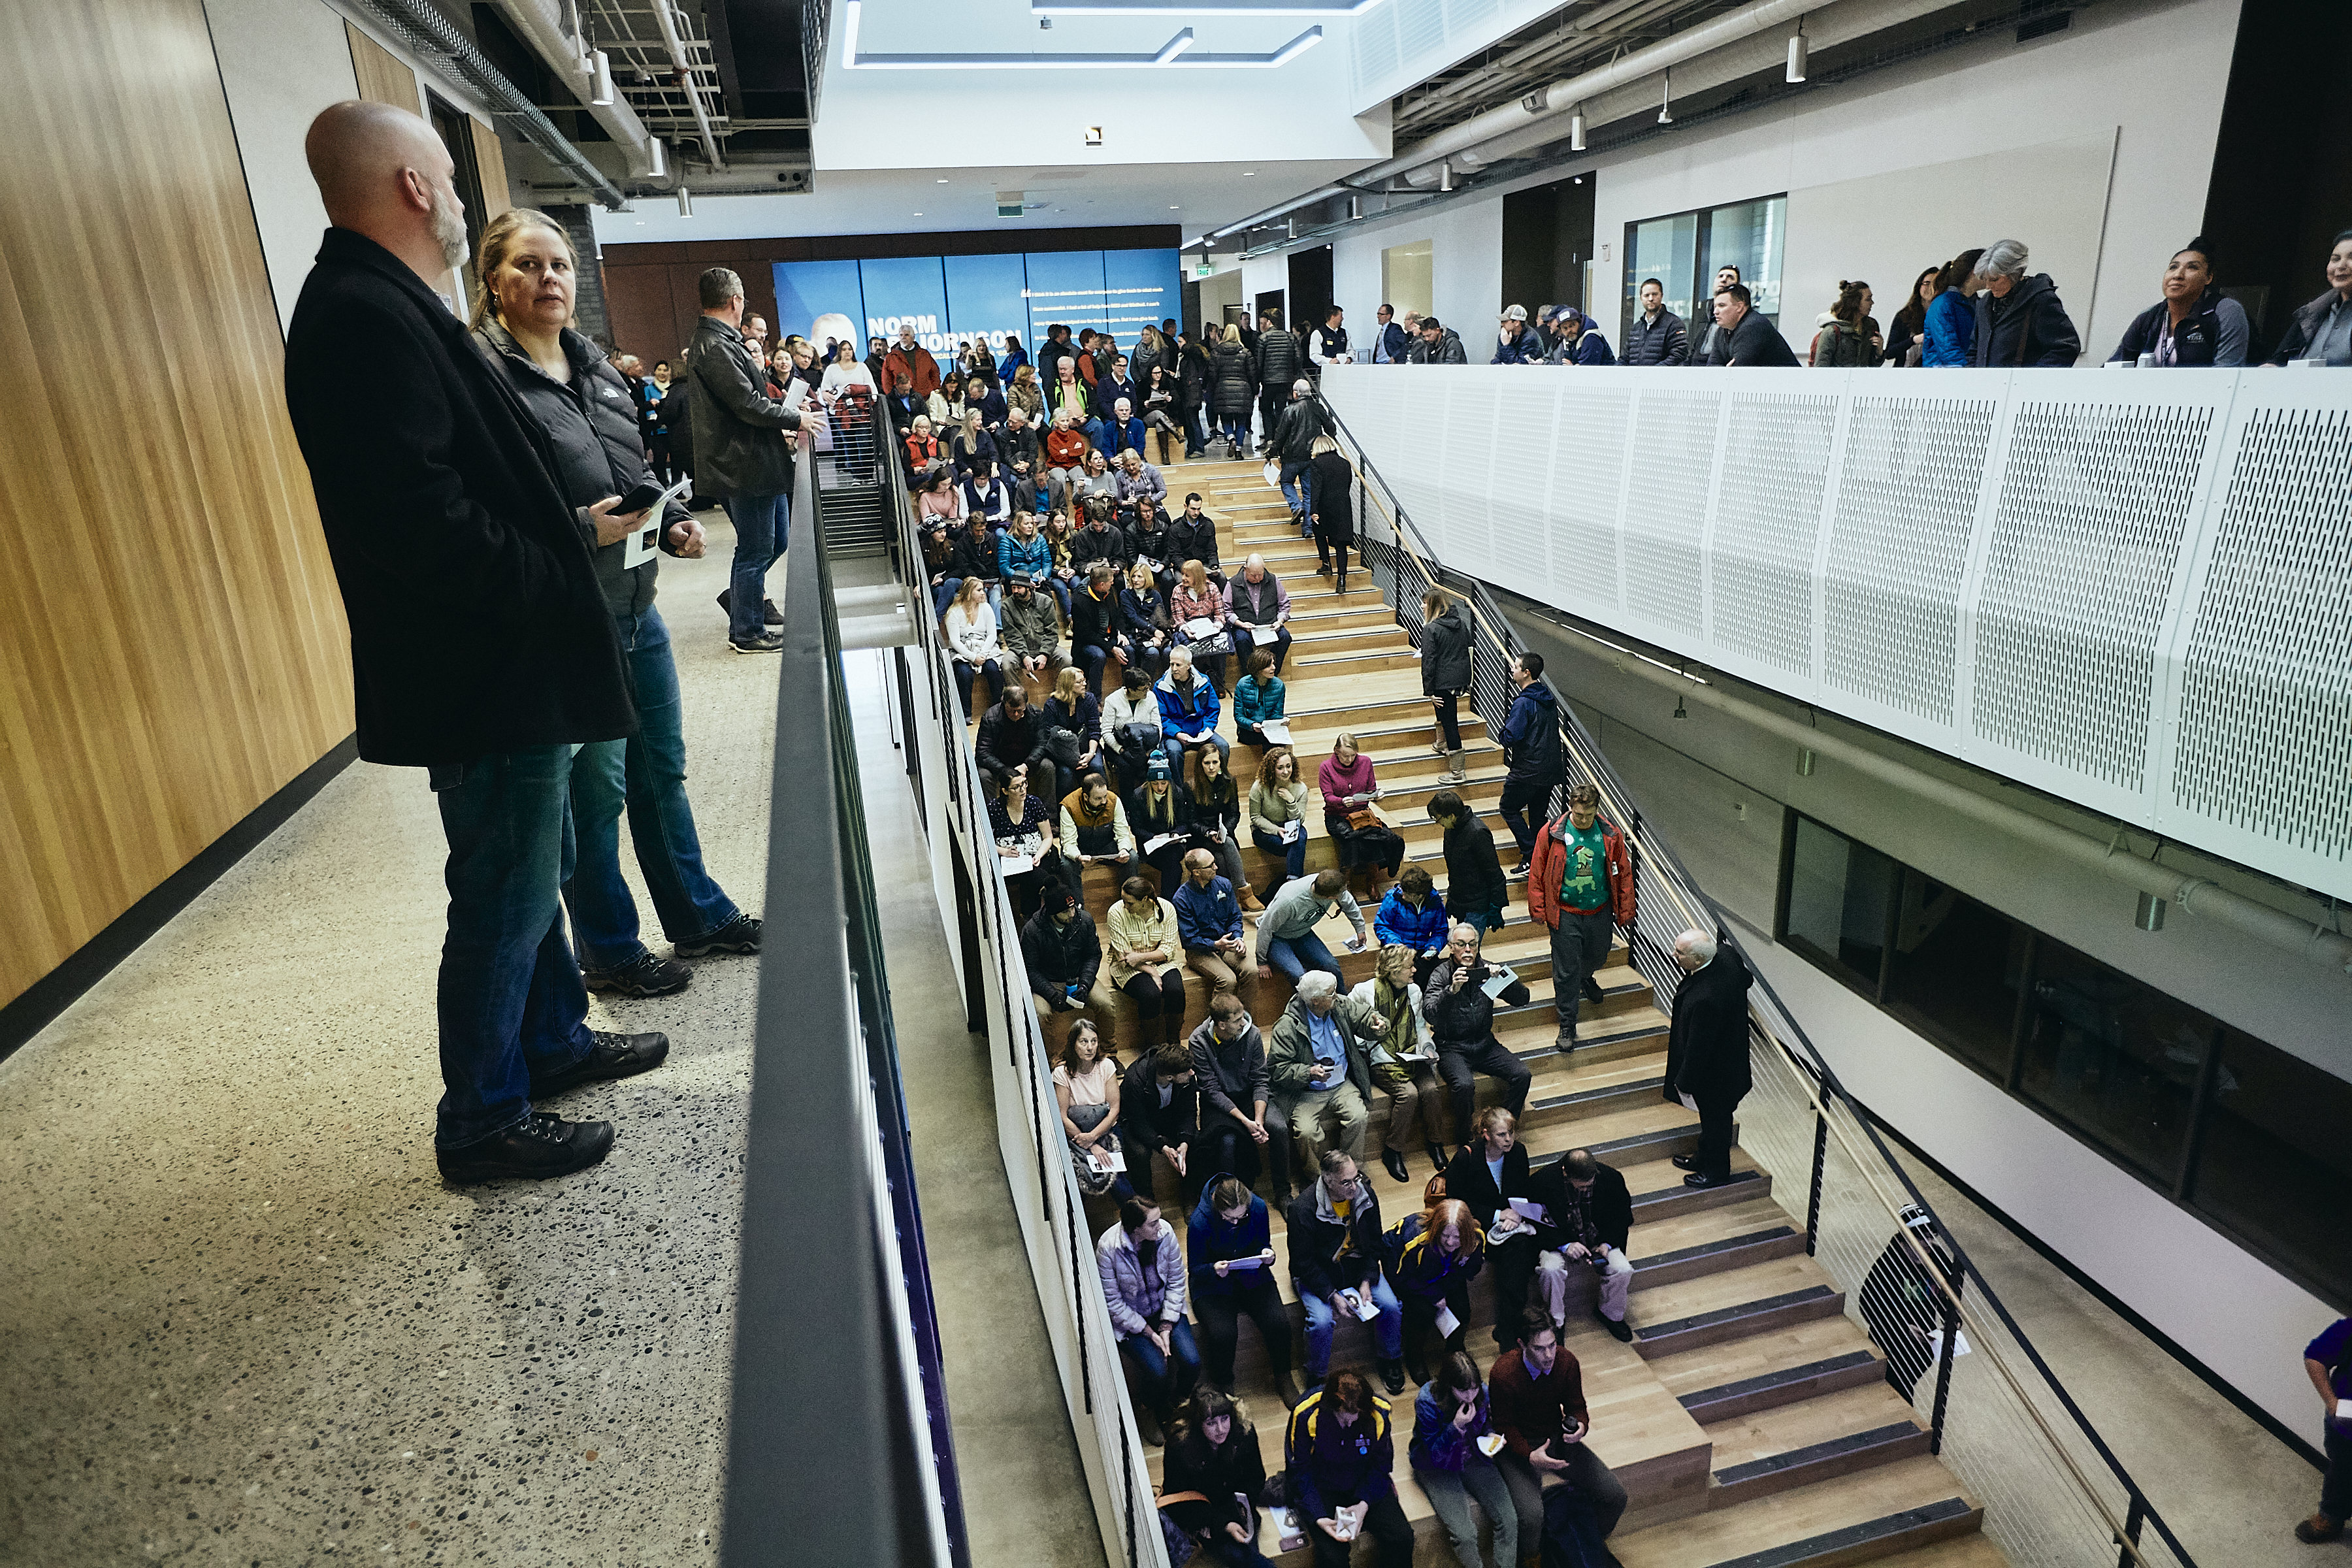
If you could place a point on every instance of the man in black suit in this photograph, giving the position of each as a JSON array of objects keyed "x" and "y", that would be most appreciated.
[
  {"x": 481, "y": 649},
  {"x": 1707, "y": 1050},
  {"x": 1590, "y": 1214}
]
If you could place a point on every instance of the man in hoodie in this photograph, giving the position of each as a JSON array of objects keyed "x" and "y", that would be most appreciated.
[
  {"x": 1516, "y": 343},
  {"x": 1657, "y": 336},
  {"x": 1240, "y": 1123},
  {"x": 1531, "y": 748},
  {"x": 1438, "y": 344},
  {"x": 1582, "y": 886},
  {"x": 1063, "y": 955},
  {"x": 1707, "y": 1050},
  {"x": 2020, "y": 320},
  {"x": 1577, "y": 339}
]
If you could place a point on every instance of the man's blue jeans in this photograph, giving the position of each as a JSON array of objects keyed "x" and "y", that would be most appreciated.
[
  {"x": 1388, "y": 1329},
  {"x": 646, "y": 773},
  {"x": 762, "y": 527},
  {"x": 1298, "y": 487},
  {"x": 1293, "y": 956},
  {"x": 510, "y": 1000}
]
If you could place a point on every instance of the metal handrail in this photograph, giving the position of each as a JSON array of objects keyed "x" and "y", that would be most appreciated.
[
  {"x": 1814, "y": 1073},
  {"x": 830, "y": 1315}
]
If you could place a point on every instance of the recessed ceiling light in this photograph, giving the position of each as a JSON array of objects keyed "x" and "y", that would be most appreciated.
[
  {"x": 1248, "y": 173},
  {"x": 942, "y": 181},
  {"x": 918, "y": 215},
  {"x": 1174, "y": 208}
]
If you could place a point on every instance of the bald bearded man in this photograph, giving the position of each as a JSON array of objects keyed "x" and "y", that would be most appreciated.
[{"x": 481, "y": 649}]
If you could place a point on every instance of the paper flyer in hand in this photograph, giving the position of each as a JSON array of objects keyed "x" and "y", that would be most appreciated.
[
  {"x": 1936, "y": 1345},
  {"x": 1499, "y": 979},
  {"x": 1446, "y": 1321},
  {"x": 1367, "y": 1308},
  {"x": 1236, "y": 1263},
  {"x": 1199, "y": 626},
  {"x": 1154, "y": 846},
  {"x": 1277, "y": 732},
  {"x": 1531, "y": 1209},
  {"x": 1288, "y": 1536},
  {"x": 1261, "y": 635}
]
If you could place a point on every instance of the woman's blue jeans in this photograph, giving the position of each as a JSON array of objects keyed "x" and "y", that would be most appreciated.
[
  {"x": 1294, "y": 855},
  {"x": 645, "y": 774}
]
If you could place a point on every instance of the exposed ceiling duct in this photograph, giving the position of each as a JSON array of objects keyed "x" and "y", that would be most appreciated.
[
  {"x": 429, "y": 34},
  {"x": 539, "y": 25}
]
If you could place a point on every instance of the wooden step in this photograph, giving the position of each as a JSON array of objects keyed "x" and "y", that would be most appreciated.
[
  {"x": 1785, "y": 1385},
  {"x": 1801, "y": 1442},
  {"x": 1735, "y": 1304},
  {"x": 1735, "y": 1251},
  {"x": 1861, "y": 1518}
]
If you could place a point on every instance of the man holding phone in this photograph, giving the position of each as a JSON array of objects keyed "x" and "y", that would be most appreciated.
[{"x": 1537, "y": 1392}]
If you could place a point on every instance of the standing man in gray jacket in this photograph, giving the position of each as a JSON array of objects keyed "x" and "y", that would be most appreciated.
[{"x": 741, "y": 456}]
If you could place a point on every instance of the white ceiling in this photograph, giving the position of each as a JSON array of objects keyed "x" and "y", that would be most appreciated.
[{"x": 1196, "y": 197}]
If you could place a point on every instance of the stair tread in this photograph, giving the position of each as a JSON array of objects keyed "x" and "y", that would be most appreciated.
[
  {"x": 1726, "y": 1535},
  {"x": 1788, "y": 1428}
]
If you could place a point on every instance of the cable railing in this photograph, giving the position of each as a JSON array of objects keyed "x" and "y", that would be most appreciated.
[
  {"x": 2053, "y": 1490},
  {"x": 1046, "y": 1200},
  {"x": 839, "y": 1448}
]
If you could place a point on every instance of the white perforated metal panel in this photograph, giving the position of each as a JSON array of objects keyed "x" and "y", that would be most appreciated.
[
  {"x": 2134, "y": 591},
  {"x": 2094, "y": 505},
  {"x": 1529, "y": 456},
  {"x": 1767, "y": 515},
  {"x": 1587, "y": 473},
  {"x": 2264, "y": 730},
  {"x": 1665, "y": 505},
  {"x": 1908, "y": 493}
]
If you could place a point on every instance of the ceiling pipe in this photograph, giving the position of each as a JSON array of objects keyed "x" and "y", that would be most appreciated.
[
  {"x": 2197, "y": 895},
  {"x": 543, "y": 29},
  {"x": 676, "y": 46},
  {"x": 427, "y": 34}
]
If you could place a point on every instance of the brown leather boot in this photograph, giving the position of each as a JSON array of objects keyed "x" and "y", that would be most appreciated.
[
  {"x": 1250, "y": 901},
  {"x": 2319, "y": 1528}
]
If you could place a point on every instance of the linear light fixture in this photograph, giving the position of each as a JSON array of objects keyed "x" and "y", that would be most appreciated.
[
  {"x": 1201, "y": 7},
  {"x": 1176, "y": 51}
]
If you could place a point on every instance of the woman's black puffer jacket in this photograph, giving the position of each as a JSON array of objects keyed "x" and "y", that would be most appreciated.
[{"x": 1233, "y": 392}]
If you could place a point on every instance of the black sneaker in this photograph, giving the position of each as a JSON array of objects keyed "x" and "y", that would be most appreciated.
[
  {"x": 770, "y": 614},
  {"x": 613, "y": 1055},
  {"x": 740, "y": 934},
  {"x": 1619, "y": 1328},
  {"x": 542, "y": 1146},
  {"x": 1517, "y": 873},
  {"x": 766, "y": 642},
  {"x": 647, "y": 975},
  {"x": 1592, "y": 992}
]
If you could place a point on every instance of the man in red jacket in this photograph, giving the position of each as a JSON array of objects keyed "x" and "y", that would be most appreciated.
[
  {"x": 1538, "y": 1395},
  {"x": 1580, "y": 884},
  {"x": 913, "y": 360}
]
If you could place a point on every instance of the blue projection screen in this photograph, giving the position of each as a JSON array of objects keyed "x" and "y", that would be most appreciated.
[{"x": 947, "y": 298}]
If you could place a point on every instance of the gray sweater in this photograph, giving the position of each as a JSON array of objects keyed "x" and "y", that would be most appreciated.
[{"x": 1296, "y": 909}]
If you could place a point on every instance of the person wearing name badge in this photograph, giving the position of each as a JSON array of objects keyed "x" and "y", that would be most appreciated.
[
  {"x": 1401, "y": 1059},
  {"x": 1087, "y": 1087},
  {"x": 1213, "y": 1478},
  {"x": 1452, "y": 1455},
  {"x": 1143, "y": 1284},
  {"x": 1333, "y": 1231},
  {"x": 1339, "y": 1453},
  {"x": 1231, "y": 1247},
  {"x": 1461, "y": 1011}
]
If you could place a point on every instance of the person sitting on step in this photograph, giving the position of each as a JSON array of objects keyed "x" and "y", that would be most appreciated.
[
  {"x": 1461, "y": 1011},
  {"x": 1433, "y": 1255}
]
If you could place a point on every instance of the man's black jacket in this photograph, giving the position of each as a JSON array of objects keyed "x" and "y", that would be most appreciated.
[
  {"x": 1005, "y": 742},
  {"x": 477, "y": 623}
]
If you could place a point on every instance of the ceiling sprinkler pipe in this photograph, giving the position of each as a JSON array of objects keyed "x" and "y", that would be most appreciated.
[
  {"x": 567, "y": 55},
  {"x": 676, "y": 46}
]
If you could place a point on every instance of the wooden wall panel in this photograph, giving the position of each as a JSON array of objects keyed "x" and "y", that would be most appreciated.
[
  {"x": 490, "y": 163},
  {"x": 173, "y": 649},
  {"x": 384, "y": 78}
]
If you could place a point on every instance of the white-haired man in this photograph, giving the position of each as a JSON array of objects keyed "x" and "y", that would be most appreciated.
[
  {"x": 1294, "y": 445},
  {"x": 1257, "y": 605},
  {"x": 1707, "y": 1050},
  {"x": 1315, "y": 1059}
]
